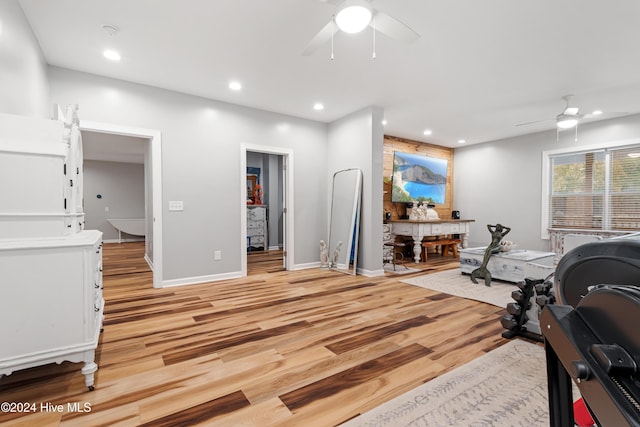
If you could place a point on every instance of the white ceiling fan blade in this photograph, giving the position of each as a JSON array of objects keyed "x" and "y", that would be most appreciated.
[
  {"x": 323, "y": 36},
  {"x": 606, "y": 114},
  {"x": 393, "y": 28},
  {"x": 571, "y": 111},
  {"x": 530, "y": 123}
]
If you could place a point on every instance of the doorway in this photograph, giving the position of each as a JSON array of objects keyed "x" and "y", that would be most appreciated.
[
  {"x": 153, "y": 188},
  {"x": 270, "y": 168}
]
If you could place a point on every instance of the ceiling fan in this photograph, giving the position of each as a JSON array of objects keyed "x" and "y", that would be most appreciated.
[
  {"x": 570, "y": 116},
  {"x": 353, "y": 16}
]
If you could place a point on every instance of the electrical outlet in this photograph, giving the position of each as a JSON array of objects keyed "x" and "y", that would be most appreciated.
[{"x": 217, "y": 255}]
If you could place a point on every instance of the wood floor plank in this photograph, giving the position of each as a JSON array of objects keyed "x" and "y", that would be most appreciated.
[
  {"x": 276, "y": 348},
  {"x": 353, "y": 376}
]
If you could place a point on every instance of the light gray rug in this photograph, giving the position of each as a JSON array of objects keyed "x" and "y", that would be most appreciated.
[
  {"x": 453, "y": 282},
  {"x": 400, "y": 269},
  {"x": 504, "y": 388}
]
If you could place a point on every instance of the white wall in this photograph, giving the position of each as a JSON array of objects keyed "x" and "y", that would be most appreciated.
[
  {"x": 201, "y": 166},
  {"x": 121, "y": 187},
  {"x": 500, "y": 181},
  {"x": 356, "y": 141},
  {"x": 24, "y": 88}
]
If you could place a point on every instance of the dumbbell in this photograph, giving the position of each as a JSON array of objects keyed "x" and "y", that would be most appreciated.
[
  {"x": 514, "y": 309},
  {"x": 509, "y": 322},
  {"x": 543, "y": 300},
  {"x": 543, "y": 288}
]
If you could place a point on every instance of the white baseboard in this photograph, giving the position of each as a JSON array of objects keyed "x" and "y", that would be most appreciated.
[
  {"x": 274, "y": 248},
  {"x": 201, "y": 279},
  {"x": 123, "y": 240},
  {"x": 370, "y": 273},
  {"x": 306, "y": 266}
]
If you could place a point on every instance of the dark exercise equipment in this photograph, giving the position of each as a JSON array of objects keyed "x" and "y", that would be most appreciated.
[
  {"x": 592, "y": 334},
  {"x": 517, "y": 320}
]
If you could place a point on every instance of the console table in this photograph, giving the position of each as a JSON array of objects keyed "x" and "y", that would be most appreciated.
[
  {"x": 510, "y": 266},
  {"x": 417, "y": 230}
]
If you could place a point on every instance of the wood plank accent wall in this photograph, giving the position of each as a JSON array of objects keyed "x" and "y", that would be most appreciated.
[{"x": 391, "y": 144}]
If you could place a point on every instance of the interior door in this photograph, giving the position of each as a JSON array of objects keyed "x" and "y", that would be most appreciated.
[{"x": 283, "y": 188}]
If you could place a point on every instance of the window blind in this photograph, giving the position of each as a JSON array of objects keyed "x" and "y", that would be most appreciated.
[{"x": 596, "y": 190}]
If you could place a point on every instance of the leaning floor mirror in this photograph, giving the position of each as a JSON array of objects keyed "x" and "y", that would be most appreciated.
[{"x": 344, "y": 220}]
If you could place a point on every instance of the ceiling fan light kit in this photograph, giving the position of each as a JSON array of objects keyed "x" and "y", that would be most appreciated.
[
  {"x": 353, "y": 16},
  {"x": 565, "y": 121}
]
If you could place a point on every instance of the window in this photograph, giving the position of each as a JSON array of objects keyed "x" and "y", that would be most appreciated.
[{"x": 592, "y": 189}]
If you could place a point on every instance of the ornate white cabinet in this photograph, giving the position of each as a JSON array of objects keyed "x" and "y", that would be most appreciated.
[
  {"x": 257, "y": 226},
  {"x": 40, "y": 176},
  {"x": 51, "y": 303}
]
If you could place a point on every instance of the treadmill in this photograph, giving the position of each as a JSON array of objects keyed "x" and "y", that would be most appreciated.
[{"x": 592, "y": 334}]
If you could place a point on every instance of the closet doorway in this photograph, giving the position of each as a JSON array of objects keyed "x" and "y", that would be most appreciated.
[{"x": 267, "y": 231}]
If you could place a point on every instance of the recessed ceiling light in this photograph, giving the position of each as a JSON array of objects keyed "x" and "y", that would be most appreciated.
[
  {"x": 318, "y": 106},
  {"x": 634, "y": 155},
  {"x": 384, "y": 123},
  {"x": 461, "y": 141},
  {"x": 235, "y": 85},
  {"x": 427, "y": 132},
  {"x": 597, "y": 112},
  {"x": 111, "y": 55}
]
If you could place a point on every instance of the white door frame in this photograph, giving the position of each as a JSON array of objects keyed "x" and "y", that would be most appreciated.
[
  {"x": 155, "y": 139},
  {"x": 288, "y": 188}
]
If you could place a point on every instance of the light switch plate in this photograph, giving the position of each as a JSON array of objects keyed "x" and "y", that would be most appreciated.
[{"x": 176, "y": 205}]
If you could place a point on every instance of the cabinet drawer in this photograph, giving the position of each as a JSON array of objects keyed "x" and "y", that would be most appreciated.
[
  {"x": 255, "y": 240},
  {"x": 255, "y": 224},
  {"x": 256, "y": 214},
  {"x": 402, "y": 229},
  {"x": 440, "y": 229},
  {"x": 251, "y": 232}
]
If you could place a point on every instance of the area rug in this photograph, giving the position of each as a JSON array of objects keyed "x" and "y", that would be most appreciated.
[
  {"x": 505, "y": 387},
  {"x": 453, "y": 282},
  {"x": 400, "y": 269}
]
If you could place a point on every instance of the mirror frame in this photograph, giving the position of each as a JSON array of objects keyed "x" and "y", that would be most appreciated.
[
  {"x": 251, "y": 185},
  {"x": 344, "y": 262}
]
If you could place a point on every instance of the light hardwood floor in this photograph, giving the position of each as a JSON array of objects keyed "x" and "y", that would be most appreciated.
[{"x": 277, "y": 348}]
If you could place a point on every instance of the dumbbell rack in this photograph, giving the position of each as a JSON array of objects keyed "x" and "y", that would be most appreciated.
[{"x": 523, "y": 314}]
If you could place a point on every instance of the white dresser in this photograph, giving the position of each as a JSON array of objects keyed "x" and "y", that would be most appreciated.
[
  {"x": 51, "y": 304},
  {"x": 256, "y": 227}
]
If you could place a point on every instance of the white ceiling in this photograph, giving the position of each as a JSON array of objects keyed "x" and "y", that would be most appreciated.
[
  {"x": 112, "y": 148},
  {"x": 479, "y": 68}
]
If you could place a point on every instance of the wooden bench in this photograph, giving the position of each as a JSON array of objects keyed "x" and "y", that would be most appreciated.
[{"x": 446, "y": 245}]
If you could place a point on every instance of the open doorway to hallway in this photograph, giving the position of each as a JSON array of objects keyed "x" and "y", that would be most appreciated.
[
  {"x": 267, "y": 209},
  {"x": 112, "y": 152},
  {"x": 265, "y": 212}
]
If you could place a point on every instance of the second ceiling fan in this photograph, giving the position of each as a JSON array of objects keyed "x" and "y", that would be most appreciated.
[{"x": 570, "y": 116}]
